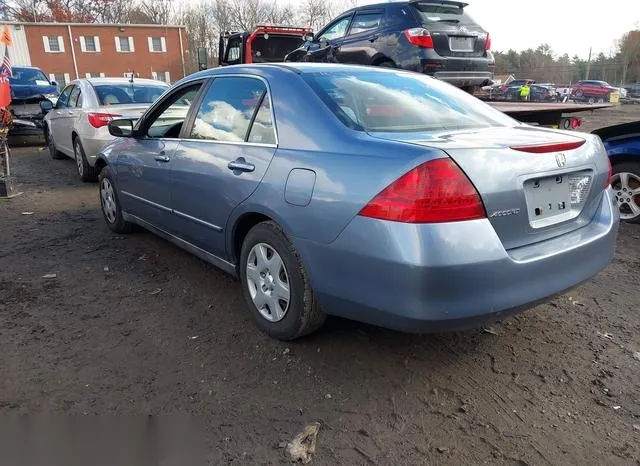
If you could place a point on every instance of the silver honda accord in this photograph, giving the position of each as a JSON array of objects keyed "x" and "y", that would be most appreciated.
[{"x": 76, "y": 126}]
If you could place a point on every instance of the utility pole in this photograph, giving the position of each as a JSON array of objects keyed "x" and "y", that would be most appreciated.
[{"x": 588, "y": 64}]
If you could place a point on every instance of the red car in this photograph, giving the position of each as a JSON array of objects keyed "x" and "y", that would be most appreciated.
[{"x": 592, "y": 91}]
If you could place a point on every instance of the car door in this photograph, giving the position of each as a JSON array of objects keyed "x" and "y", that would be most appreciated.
[
  {"x": 360, "y": 44},
  {"x": 224, "y": 154},
  {"x": 322, "y": 48},
  {"x": 58, "y": 121},
  {"x": 144, "y": 163}
]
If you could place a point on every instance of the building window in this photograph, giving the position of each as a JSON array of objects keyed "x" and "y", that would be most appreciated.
[
  {"x": 157, "y": 44},
  {"x": 53, "y": 44},
  {"x": 61, "y": 79},
  {"x": 90, "y": 43},
  {"x": 163, "y": 76},
  {"x": 95, "y": 75},
  {"x": 124, "y": 44}
]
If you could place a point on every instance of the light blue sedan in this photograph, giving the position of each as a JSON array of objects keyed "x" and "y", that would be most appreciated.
[{"x": 374, "y": 194}]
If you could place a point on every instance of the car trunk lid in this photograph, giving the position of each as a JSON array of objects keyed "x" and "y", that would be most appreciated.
[{"x": 535, "y": 184}]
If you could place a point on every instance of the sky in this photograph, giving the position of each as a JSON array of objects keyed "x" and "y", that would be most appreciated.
[{"x": 568, "y": 26}]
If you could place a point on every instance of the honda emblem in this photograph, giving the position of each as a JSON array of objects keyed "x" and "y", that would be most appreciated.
[{"x": 561, "y": 159}]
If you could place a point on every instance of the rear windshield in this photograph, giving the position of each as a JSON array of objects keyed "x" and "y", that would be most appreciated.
[
  {"x": 387, "y": 101},
  {"x": 27, "y": 76},
  {"x": 273, "y": 49},
  {"x": 441, "y": 12},
  {"x": 128, "y": 93}
]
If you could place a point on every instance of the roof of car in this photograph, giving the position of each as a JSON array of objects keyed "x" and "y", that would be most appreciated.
[{"x": 123, "y": 81}]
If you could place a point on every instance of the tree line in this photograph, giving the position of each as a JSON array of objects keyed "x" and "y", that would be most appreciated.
[
  {"x": 621, "y": 66},
  {"x": 206, "y": 19}
]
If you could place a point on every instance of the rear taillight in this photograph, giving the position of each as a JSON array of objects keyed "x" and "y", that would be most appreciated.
[
  {"x": 487, "y": 44},
  {"x": 436, "y": 191},
  {"x": 607, "y": 182},
  {"x": 419, "y": 37},
  {"x": 98, "y": 120},
  {"x": 545, "y": 148}
]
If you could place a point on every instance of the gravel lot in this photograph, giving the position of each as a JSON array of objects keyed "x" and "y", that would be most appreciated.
[{"x": 134, "y": 326}]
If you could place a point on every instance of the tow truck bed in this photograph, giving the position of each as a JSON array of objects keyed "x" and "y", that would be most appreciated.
[{"x": 542, "y": 113}]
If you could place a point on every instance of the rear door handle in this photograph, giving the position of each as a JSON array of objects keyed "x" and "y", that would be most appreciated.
[
  {"x": 374, "y": 38},
  {"x": 161, "y": 157},
  {"x": 240, "y": 164}
]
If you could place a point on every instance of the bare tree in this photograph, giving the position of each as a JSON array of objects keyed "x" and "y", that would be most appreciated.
[
  {"x": 158, "y": 11},
  {"x": 629, "y": 49}
]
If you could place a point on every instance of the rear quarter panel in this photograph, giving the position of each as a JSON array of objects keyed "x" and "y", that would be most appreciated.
[{"x": 350, "y": 167}]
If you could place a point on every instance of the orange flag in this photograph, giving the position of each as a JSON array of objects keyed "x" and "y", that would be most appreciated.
[{"x": 5, "y": 36}]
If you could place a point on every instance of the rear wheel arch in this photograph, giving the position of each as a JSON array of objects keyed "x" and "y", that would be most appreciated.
[
  {"x": 384, "y": 62},
  {"x": 625, "y": 158},
  {"x": 241, "y": 228}
]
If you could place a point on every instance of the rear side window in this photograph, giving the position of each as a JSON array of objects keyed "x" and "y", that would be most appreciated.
[
  {"x": 381, "y": 101},
  {"x": 228, "y": 109},
  {"x": 429, "y": 13},
  {"x": 366, "y": 21},
  {"x": 233, "y": 51}
]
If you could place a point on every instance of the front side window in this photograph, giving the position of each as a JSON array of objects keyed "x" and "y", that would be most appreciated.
[
  {"x": 75, "y": 99},
  {"x": 168, "y": 120},
  {"x": 63, "y": 100},
  {"x": 228, "y": 109},
  {"x": 363, "y": 22},
  {"x": 233, "y": 51},
  {"x": 401, "y": 102},
  {"x": 337, "y": 30}
]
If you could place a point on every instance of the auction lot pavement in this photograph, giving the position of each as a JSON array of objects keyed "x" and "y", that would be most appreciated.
[{"x": 131, "y": 325}]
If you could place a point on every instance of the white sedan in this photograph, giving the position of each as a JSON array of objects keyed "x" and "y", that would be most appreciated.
[{"x": 76, "y": 126}]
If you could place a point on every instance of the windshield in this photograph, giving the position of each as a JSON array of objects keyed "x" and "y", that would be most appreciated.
[
  {"x": 128, "y": 93},
  {"x": 441, "y": 12},
  {"x": 383, "y": 101},
  {"x": 26, "y": 76}
]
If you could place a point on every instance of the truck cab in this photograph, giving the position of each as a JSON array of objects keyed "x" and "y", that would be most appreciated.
[{"x": 265, "y": 44}]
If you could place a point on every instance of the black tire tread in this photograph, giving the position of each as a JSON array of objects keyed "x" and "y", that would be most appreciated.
[
  {"x": 55, "y": 154},
  {"x": 312, "y": 317},
  {"x": 89, "y": 173}
]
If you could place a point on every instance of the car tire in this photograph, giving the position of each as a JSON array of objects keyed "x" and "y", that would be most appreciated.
[
  {"x": 579, "y": 93},
  {"x": 268, "y": 262},
  {"x": 53, "y": 152},
  {"x": 110, "y": 203},
  {"x": 629, "y": 171},
  {"x": 600, "y": 100},
  {"x": 86, "y": 172}
]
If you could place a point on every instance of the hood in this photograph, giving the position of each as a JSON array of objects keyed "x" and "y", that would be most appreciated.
[{"x": 25, "y": 91}]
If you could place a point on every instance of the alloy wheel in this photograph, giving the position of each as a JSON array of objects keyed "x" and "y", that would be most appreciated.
[
  {"x": 107, "y": 198},
  {"x": 268, "y": 282},
  {"x": 626, "y": 187}
]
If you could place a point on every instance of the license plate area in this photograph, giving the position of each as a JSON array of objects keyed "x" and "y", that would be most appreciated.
[
  {"x": 557, "y": 198},
  {"x": 461, "y": 44}
]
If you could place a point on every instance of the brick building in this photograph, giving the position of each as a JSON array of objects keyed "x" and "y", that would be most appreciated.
[{"x": 66, "y": 51}]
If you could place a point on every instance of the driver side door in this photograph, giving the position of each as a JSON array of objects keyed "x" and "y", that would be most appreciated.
[
  {"x": 58, "y": 122},
  {"x": 144, "y": 163},
  {"x": 325, "y": 47}
]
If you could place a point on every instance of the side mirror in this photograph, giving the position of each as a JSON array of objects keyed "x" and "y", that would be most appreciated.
[
  {"x": 53, "y": 83},
  {"x": 46, "y": 105},
  {"x": 323, "y": 42},
  {"x": 121, "y": 128}
]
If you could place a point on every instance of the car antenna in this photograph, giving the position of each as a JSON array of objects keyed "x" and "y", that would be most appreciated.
[{"x": 131, "y": 76}]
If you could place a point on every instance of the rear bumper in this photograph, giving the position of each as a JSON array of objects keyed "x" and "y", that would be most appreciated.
[
  {"x": 459, "y": 71},
  {"x": 426, "y": 278}
]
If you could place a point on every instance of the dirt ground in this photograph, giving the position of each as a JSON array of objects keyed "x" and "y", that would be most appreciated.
[{"x": 132, "y": 326}]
